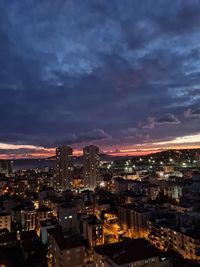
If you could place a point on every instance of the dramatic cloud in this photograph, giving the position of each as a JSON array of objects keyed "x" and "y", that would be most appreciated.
[
  {"x": 79, "y": 72},
  {"x": 165, "y": 120},
  {"x": 192, "y": 113},
  {"x": 94, "y": 135}
]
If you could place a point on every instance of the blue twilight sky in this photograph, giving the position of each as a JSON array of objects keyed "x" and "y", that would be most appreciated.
[{"x": 121, "y": 74}]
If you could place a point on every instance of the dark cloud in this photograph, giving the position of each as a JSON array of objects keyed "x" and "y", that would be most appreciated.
[
  {"x": 184, "y": 18},
  {"x": 93, "y": 135},
  {"x": 165, "y": 120},
  {"x": 78, "y": 72},
  {"x": 192, "y": 113}
]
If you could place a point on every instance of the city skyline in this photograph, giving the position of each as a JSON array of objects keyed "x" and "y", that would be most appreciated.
[{"x": 122, "y": 75}]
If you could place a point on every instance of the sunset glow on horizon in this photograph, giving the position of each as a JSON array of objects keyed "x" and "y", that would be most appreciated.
[{"x": 17, "y": 151}]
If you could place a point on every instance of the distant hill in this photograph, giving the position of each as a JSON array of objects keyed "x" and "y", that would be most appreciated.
[{"x": 182, "y": 154}]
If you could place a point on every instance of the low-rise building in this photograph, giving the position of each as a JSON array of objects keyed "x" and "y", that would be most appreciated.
[
  {"x": 44, "y": 227},
  {"x": 129, "y": 253},
  {"x": 186, "y": 241},
  {"x": 5, "y": 221},
  {"x": 65, "y": 250},
  {"x": 67, "y": 217},
  {"x": 7, "y": 239},
  {"x": 28, "y": 219},
  {"x": 44, "y": 213},
  {"x": 45, "y": 193},
  {"x": 93, "y": 231},
  {"x": 133, "y": 220}
]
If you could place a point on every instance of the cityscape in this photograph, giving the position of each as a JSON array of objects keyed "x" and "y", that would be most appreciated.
[
  {"x": 135, "y": 211},
  {"x": 99, "y": 133}
]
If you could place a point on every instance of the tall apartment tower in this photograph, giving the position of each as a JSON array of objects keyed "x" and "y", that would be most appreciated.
[
  {"x": 197, "y": 159},
  {"x": 5, "y": 167},
  {"x": 91, "y": 166},
  {"x": 63, "y": 167}
]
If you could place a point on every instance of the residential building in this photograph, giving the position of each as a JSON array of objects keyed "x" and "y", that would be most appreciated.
[
  {"x": 65, "y": 250},
  {"x": 28, "y": 219},
  {"x": 43, "y": 214},
  {"x": 130, "y": 253},
  {"x": 44, "y": 227},
  {"x": 186, "y": 241},
  {"x": 133, "y": 220},
  {"x": 5, "y": 221},
  {"x": 64, "y": 167},
  {"x": 91, "y": 166},
  {"x": 93, "y": 231},
  {"x": 67, "y": 217},
  {"x": 5, "y": 167}
]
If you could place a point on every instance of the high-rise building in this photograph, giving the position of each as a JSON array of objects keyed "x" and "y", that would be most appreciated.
[
  {"x": 5, "y": 167},
  {"x": 197, "y": 159},
  {"x": 63, "y": 167},
  {"x": 91, "y": 166}
]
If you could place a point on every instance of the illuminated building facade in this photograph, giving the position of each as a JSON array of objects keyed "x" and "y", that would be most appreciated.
[
  {"x": 44, "y": 213},
  {"x": 5, "y": 221},
  {"x": 29, "y": 219},
  {"x": 133, "y": 221},
  {"x": 182, "y": 240}
]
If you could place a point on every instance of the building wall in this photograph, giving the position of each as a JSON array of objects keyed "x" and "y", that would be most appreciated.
[
  {"x": 5, "y": 167},
  {"x": 63, "y": 167},
  {"x": 103, "y": 261},
  {"x": 28, "y": 219},
  {"x": 164, "y": 238},
  {"x": 67, "y": 218},
  {"x": 91, "y": 166},
  {"x": 5, "y": 222},
  {"x": 44, "y": 234},
  {"x": 44, "y": 215},
  {"x": 134, "y": 223},
  {"x": 93, "y": 233},
  {"x": 73, "y": 257}
]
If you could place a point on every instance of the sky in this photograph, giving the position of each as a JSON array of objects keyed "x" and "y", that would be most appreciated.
[{"x": 124, "y": 75}]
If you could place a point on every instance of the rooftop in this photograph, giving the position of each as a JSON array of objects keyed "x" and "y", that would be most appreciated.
[
  {"x": 128, "y": 251},
  {"x": 28, "y": 235},
  {"x": 3, "y": 213},
  {"x": 7, "y": 238},
  {"x": 64, "y": 240},
  {"x": 43, "y": 209},
  {"x": 49, "y": 222}
]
